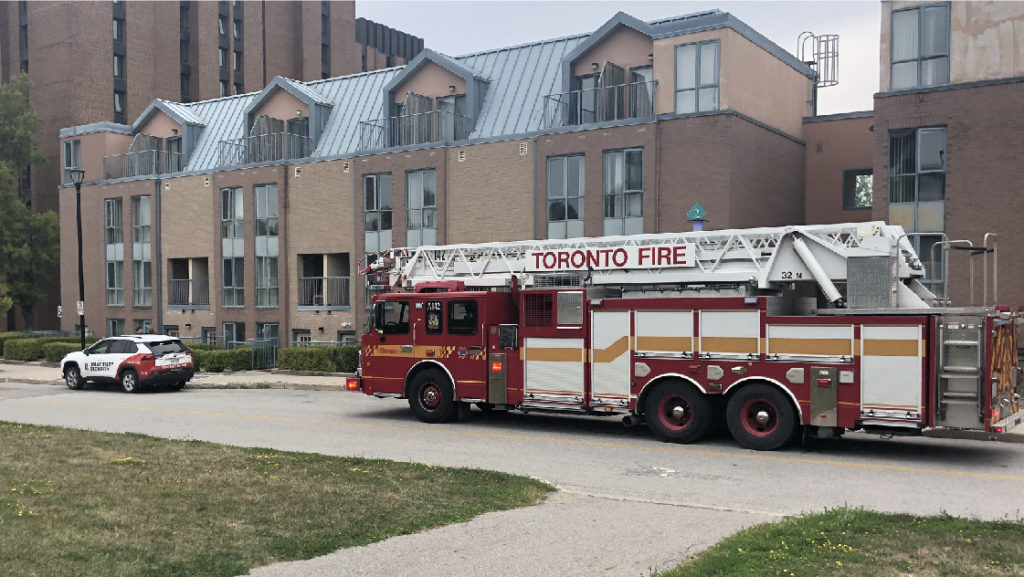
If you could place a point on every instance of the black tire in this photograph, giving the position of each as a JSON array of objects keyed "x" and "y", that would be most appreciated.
[
  {"x": 73, "y": 378},
  {"x": 130, "y": 381},
  {"x": 761, "y": 417},
  {"x": 678, "y": 412},
  {"x": 432, "y": 398}
]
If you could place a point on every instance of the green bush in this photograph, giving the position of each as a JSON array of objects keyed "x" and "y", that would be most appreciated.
[
  {"x": 348, "y": 358},
  {"x": 23, "y": 349},
  {"x": 4, "y": 337},
  {"x": 220, "y": 360},
  {"x": 54, "y": 352},
  {"x": 306, "y": 359},
  {"x": 202, "y": 346}
]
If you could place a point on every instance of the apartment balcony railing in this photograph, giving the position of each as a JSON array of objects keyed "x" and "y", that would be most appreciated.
[
  {"x": 141, "y": 163},
  {"x": 264, "y": 148},
  {"x": 634, "y": 100},
  {"x": 422, "y": 128},
  {"x": 323, "y": 291},
  {"x": 188, "y": 292}
]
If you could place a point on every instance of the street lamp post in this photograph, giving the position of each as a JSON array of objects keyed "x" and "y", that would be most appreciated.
[{"x": 77, "y": 175}]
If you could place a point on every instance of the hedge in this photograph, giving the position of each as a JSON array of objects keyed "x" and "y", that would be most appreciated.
[
  {"x": 344, "y": 359},
  {"x": 219, "y": 360},
  {"x": 31, "y": 349},
  {"x": 203, "y": 346},
  {"x": 54, "y": 352}
]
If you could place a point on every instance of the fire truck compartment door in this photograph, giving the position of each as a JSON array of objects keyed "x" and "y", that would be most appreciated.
[
  {"x": 891, "y": 371},
  {"x": 609, "y": 370},
  {"x": 554, "y": 369},
  {"x": 824, "y": 397},
  {"x": 497, "y": 379}
]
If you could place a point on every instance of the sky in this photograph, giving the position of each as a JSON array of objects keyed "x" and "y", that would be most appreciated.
[{"x": 462, "y": 27}]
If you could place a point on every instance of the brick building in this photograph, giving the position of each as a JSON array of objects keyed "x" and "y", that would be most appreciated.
[
  {"x": 111, "y": 59},
  {"x": 260, "y": 226}
]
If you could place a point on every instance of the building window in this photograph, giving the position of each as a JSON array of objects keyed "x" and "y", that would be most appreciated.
[
  {"x": 118, "y": 102},
  {"x": 72, "y": 158},
  {"x": 142, "y": 326},
  {"x": 224, "y": 88},
  {"x": 377, "y": 211},
  {"x": 115, "y": 327},
  {"x": 233, "y": 265},
  {"x": 114, "y": 251},
  {"x": 222, "y": 57},
  {"x": 221, "y": 26},
  {"x": 237, "y": 29},
  {"x": 267, "y": 331},
  {"x": 239, "y": 89},
  {"x": 421, "y": 200},
  {"x": 142, "y": 265},
  {"x": 171, "y": 330},
  {"x": 857, "y": 188},
  {"x": 118, "y": 30},
  {"x": 236, "y": 61},
  {"x": 118, "y": 66},
  {"x": 301, "y": 337},
  {"x": 174, "y": 159},
  {"x": 266, "y": 245},
  {"x": 624, "y": 191},
  {"x": 697, "y": 77},
  {"x": 920, "y": 47},
  {"x": 233, "y": 333},
  {"x": 917, "y": 165},
  {"x": 565, "y": 196}
]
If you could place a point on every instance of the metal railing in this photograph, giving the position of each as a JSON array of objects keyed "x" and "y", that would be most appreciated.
[
  {"x": 323, "y": 291},
  {"x": 634, "y": 100},
  {"x": 264, "y": 148},
  {"x": 184, "y": 291},
  {"x": 434, "y": 126},
  {"x": 141, "y": 163}
]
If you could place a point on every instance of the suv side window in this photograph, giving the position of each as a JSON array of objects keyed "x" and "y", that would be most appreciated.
[
  {"x": 122, "y": 347},
  {"x": 100, "y": 348}
]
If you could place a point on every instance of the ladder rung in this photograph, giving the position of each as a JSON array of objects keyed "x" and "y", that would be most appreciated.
[
  {"x": 960, "y": 369},
  {"x": 953, "y": 395},
  {"x": 962, "y": 343}
]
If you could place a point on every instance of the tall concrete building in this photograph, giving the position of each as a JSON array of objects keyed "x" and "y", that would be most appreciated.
[{"x": 107, "y": 61}]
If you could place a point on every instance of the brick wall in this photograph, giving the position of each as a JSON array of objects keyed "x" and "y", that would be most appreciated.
[
  {"x": 984, "y": 187},
  {"x": 490, "y": 194},
  {"x": 834, "y": 146}
]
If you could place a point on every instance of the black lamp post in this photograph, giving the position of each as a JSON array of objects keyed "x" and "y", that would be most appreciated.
[{"x": 77, "y": 175}]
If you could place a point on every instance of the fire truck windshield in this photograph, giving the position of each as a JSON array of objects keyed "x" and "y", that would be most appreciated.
[{"x": 392, "y": 317}]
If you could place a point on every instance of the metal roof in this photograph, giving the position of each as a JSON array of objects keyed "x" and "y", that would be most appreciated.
[{"x": 517, "y": 79}]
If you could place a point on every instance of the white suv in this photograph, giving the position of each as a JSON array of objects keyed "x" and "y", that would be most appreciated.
[{"x": 133, "y": 361}]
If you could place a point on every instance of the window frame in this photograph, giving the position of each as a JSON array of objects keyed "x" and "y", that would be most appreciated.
[
  {"x": 698, "y": 86},
  {"x": 72, "y": 157},
  {"x": 850, "y": 192},
  {"x": 918, "y": 170},
  {"x": 420, "y": 207},
  {"x": 377, "y": 211},
  {"x": 565, "y": 197},
  {"x": 619, "y": 198},
  {"x": 459, "y": 327},
  {"x": 920, "y": 57}
]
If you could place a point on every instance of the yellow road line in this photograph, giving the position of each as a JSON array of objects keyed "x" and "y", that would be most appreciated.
[{"x": 518, "y": 437}]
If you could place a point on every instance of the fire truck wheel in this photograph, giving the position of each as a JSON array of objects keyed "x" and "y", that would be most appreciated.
[
  {"x": 678, "y": 412},
  {"x": 431, "y": 397},
  {"x": 760, "y": 417}
]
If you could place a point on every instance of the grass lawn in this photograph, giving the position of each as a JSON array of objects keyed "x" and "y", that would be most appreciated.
[
  {"x": 858, "y": 543},
  {"x": 83, "y": 503}
]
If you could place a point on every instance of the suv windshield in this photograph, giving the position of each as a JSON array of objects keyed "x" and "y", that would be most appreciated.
[{"x": 165, "y": 347}]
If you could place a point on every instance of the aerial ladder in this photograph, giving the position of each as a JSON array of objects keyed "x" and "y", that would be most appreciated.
[{"x": 876, "y": 262}]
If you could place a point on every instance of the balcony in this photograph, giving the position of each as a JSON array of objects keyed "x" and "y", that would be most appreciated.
[
  {"x": 270, "y": 147},
  {"x": 141, "y": 164},
  {"x": 323, "y": 291},
  {"x": 634, "y": 100},
  {"x": 188, "y": 293},
  {"x": 422, "y": 128}
]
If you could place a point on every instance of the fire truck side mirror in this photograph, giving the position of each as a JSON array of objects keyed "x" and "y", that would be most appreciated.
[{"x": 507, "y": 336}]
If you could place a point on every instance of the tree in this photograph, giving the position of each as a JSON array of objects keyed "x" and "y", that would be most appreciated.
[{"x": 29, "y": 241}]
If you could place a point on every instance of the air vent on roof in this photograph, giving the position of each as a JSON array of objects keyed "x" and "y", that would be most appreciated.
[
  {"x": 206, "y": 181},
  {"x": 298, "y": 171},
  {"x": 462, "y": 155},
  {"x": 524, "y": 148}
]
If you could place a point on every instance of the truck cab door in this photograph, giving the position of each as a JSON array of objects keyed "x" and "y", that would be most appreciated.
[
  {"x": 466, "y": 351},
  {"x": 388, "y": 351}
]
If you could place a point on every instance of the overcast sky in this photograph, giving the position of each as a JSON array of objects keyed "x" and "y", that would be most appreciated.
[{"x": 457, "y": 28}]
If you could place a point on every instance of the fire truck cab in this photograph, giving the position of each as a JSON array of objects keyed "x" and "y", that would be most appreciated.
[{"x": 770, "y": 358}]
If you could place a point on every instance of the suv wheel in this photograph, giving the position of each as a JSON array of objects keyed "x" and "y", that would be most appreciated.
[
  {"x": 73, "y": 378},
  {"x": 130, "y": 381}
]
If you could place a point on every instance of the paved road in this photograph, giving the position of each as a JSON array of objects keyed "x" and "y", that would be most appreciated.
[{"x": 628, "y": 503}]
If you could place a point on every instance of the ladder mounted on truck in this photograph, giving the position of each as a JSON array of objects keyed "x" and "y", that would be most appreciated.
[{"x": 875, "y": 260}]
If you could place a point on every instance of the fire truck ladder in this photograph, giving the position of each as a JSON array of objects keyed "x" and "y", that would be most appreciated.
[{"x": 872, "y": 254}]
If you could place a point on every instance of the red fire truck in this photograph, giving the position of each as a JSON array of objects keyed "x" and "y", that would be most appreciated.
[{"x": 783, "y": 331}]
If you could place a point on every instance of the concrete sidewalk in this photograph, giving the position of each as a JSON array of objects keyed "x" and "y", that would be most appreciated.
[{"x": 49, "y": 374}]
